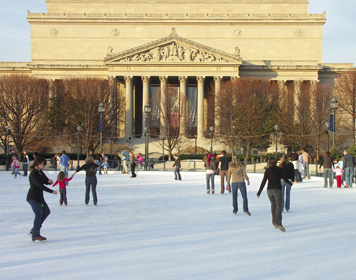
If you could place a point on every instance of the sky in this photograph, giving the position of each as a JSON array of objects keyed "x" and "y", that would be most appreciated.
[{"x": 339, "y": 31}]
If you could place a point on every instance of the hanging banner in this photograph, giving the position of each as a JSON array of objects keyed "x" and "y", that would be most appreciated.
[{"x": 332, "y": 123}]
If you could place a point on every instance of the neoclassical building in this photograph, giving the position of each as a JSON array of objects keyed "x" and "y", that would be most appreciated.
[{"x": 142, "y": 45}]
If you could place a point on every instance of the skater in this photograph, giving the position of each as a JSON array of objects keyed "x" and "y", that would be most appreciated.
[
  {"x": 125, "y": 159},
  {"x": 177, "y": 167},
  {"x": 98, "y": 160},
  {"x": 209, "y": 165},
  {"x": 274, "y": 174},
  {"x": 348, "y": 167},
  {"x": 288, "y": 171},
  {"x": 338, "y": 171},
  {"x": 15, "y": 166},
  {"x": 61, "y": 179},
  {"x": 238, "y": 174},
  {"x": 26, "y": 160},
  {"x": 35, "y": 196},
  {"x": 90, "y": 179},
  {"x": 132, "y": 165},
  {"x": 328, "y": 166},
  {"x": 64, "y": 162},
  {"x": 139, "y": 160},
  {"x": 306, "y": 160},
  {"x": 106, "y": 166},
  {"x": 294, "y": 159},
  {"x": 224, "y": 166}
]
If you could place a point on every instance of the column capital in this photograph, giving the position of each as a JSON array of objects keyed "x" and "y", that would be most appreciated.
[
  {"x": 200, "y": 79},
  {"x": 145, "y": 79},
  {"x": 128, "y": 79},
  {"x": 163, "y": 79},
  {"x": 183, "y": 79},
  {"x": 218, "y": 79},
  {"x": 234, "y": 78}
]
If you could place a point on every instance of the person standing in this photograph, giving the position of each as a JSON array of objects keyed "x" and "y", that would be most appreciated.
[
  {"x": 209, "y": 165},
  {"x": 274, "y": 174},
  {"x": 294, "y": 159},
  {"x": 327, "y": 162},
  {"x": 25, "y": 160},
  {"x": 338, "y": 171},
  {"x": 132, "y": 165},
  {"x": 340, "y": 164},
  {"x": 306, "y": 160},
  {"x": 348, "y": 167},
  {"x": 125, "y": 159},
  {"x": 237, "y": 174},
  {"x": 98, "y": 161},
  {"x": 64, "y": 162},
  {"x": 61, "y": 179},
  {"x": 224, "y": 166},
  {"x": 90, "y": 180},
  {"x": 139, "y": 160},
  {"x": 35, "y": 196},
  {"x": 288, "y": 171},
  {"x": 15, "y": 166},
  {"x": 177, "y": 167},
  {"x": 106, "y": 166}
]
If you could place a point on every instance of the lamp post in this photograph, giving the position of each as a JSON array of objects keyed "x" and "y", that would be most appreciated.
[
  {"x": 333, "y": 106},
  {"x": 147, "y": 110},
  {"x": 276, "y": 129},
  {"x": 327, "y": 125},
  {"x": 211, "y": 138},
  {"x": 196, "y": 143},
  {"x": 164, "y": 162},
  {"x": 101, "y": 111},
  {"x": 79, "y": 129},
  {"x": 7, "y": 147}
]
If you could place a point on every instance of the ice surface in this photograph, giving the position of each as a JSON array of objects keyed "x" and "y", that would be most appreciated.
[{"x": 153, "y": 227}]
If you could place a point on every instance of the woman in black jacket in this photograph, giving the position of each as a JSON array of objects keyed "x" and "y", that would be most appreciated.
[
  {"x": 274, "y": 174},
  {"x": 35, "y": 196},
  {"x": 288, "y": 171}
]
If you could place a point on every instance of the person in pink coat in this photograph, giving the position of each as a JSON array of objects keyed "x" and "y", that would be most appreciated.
[
  {"x": 338, "y": 172},
  {"x": 139, "y": 160}
]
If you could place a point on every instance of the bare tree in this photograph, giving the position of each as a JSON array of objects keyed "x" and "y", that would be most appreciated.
[
  {"x": 23, "y": 103},
  {"x": 247, "y": 109}
]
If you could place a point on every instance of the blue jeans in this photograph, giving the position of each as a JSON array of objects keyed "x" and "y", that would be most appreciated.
[
  {"x": 90, "y": 183},
  {"x": 25, "y": 168},
  {"x": 286, "y": 189},
  {"x": 41, "y": 211},
  {"x": 98, "y": 163},
  {"x": 176, "y": 172},
  {"x": 242, "y": 187},
  {"x": 65, "y": 169},
  {"x": 349, "y": 175},
  {"x": 16, "y": 171},
  {"x": 210, "y": 177},
  {"x": 328, "y": 174}
]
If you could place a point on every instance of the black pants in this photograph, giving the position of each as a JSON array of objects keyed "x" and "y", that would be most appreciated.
[
  {"x": 63, "y": 193},
  {"x": 90, "y": 183},
  {"x": 133, "y": 166}
]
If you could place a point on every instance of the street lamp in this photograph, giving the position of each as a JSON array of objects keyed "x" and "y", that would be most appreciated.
[
  {"x": 164, "y": 162},
  {"x": 211, "y": 138},
  {"x": 327, "y": 125},
  {"x": 333, "y": 106},
  {"x": 79, "y": 129},
  {"x": 101, "y": 111},
  {"x": 7, "y": 147},
  {"x": 196, "y": 143},
  {"x": 276, "y": 129},
  {"x": 147, "y": 110}
]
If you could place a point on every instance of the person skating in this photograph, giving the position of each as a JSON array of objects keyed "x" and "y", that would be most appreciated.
[
  {"x": 106, "y": 166},
  {"x": 90, "y": 180},
  {"x": 64, "y": 162},
  {"x": 273, "y": 175},
  {"x": 328, "y": 164},
  {"x": 238, "y": 174},
  {"x": 338, "y": 171},
  {"x": 177, "y": 167},
  {"x": 132, "y": 164},
  {"x": 16, "y": 166},
  {"x": 224, "y": 166},
  {"x": 61, "y": 180},
  {"x": 26, "y": 160},
  {"x": 348, "y": 167},
  {"x": 35, "y": 196},
  {"x": 209, "y": 165},
  {"x": 288, "y": 170}
]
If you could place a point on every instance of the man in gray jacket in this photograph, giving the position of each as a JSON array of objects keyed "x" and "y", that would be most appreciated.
[
  {"x": 328, "y": 170},
  {"x": 348, "y": 166}
]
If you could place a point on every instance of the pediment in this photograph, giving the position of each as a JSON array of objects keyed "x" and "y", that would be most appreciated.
[{"x": 173, "y": 49}]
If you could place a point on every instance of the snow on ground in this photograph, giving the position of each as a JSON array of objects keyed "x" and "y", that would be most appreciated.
[{"x": 153, "y": 227}]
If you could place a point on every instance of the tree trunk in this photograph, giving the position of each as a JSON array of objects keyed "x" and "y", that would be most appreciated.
[{"x": 248, "y": 150}]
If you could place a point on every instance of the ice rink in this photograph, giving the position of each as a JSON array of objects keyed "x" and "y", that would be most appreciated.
[{"x": 153, "y": 227}]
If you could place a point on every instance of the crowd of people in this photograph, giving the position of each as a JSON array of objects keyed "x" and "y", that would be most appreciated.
[{"x": 279, "y": 178}]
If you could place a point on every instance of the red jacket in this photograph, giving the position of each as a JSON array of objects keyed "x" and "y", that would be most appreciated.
[{"x": 62, "y": 184}]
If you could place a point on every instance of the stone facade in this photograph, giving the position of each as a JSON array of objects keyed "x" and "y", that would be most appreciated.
[{"x": 190, "y": 42}]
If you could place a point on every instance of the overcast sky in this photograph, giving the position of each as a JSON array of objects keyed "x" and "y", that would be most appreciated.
[{"x": 339, "y": 30}]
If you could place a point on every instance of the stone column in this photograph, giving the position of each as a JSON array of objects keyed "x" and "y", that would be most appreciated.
[
  {"x": 145, "y": 100},
  {"x": 183, "y": 113},
  {"x": 200, "y": 111},
  {"x": 296, "y": 96},
  {"x": 129, "y": 106},
  {"x": 113, "y": 103},
  {"x": 217, "y": 81},
  {"x": 283, "y": 94},
  {"x": 50, "y": 92},
  {"x": 163, "y": 117}
]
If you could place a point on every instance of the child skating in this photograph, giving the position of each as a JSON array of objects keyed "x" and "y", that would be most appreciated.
[
  {"x": 106, "y": 166},
  {"x": 338, "y": 171},
  {"x": 61, "y": 180},
  {"x": 16, "y": 167}
]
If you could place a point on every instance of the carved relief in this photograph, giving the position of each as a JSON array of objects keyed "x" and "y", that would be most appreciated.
[
  {"x": 299, "y": 33},
  {"x": 115, "y": 32},
  {"x": 54, "y": 32},
  {"x": 174, "y": 53},
  {"x": 238, "y": 32}
]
